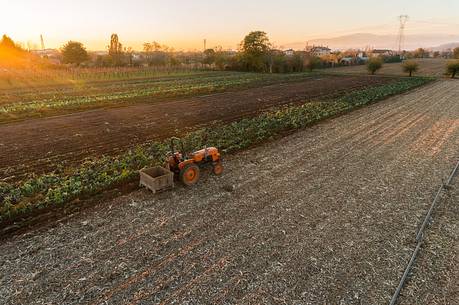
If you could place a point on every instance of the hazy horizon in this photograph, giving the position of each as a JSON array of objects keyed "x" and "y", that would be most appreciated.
[{"x": 184, "y": 26}]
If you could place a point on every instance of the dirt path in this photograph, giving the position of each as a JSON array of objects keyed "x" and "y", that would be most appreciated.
[
  {"x": 37, "y": 146},
  {"x": 325, "y": 216}
]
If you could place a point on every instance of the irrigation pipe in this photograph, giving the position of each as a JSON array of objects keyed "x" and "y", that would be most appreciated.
[
  {"x": 434, "y": 203},
  {"x": 420, "y": 234}
]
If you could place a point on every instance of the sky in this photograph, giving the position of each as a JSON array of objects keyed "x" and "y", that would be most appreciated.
[{"x": 183, "y": 24}]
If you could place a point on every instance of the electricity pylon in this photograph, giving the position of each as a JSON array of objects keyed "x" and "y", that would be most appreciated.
[{"x": 401, "y": 33}]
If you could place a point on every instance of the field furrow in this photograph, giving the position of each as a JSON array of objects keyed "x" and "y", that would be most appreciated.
[
  {"x": 40, "y": 146},
  {"x": 327, "y": 215}
]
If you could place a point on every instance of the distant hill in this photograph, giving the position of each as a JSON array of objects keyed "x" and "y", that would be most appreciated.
[
  {"x": 364, "y": 40},
  {"x": 446, "y": 46}
]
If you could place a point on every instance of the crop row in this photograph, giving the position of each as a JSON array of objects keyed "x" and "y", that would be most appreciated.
[
  {"x": 104, "y": 173},
  {"x": 31, "y": 92},
  {"x": 39, "y": 76},
  {"x": 227, "y": 78},
  {"x": 163, "y": 88}
]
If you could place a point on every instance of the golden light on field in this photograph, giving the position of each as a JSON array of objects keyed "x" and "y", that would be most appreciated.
[{"x": 10, "y": 57}]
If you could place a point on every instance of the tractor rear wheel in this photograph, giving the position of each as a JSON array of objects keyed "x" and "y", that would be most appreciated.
[
  {"x": 218, "y": 168},
  {"x": 189, "y": 175}
]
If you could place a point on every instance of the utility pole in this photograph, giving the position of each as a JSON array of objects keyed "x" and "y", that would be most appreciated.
[
  {"x": 401, "y": 33},
  {"x": 42, "y": 42}
]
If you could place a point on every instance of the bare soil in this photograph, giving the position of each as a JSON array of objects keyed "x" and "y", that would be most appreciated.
[
  {"x": 427, "y": 67},
  {"x": 39, "y": 146},
  {"x": 324, "y": 216},
  {"x": 435, "y": 276}
]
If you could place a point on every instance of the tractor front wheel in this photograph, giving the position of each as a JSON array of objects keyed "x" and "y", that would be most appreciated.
[
  {"x": 218, "y": 168},
  {"x": 189, "y": 175}
]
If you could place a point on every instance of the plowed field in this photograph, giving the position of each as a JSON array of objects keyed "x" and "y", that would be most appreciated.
[
  {"x": 327, "y": 215},
  {"x": 39, "y": 145}
]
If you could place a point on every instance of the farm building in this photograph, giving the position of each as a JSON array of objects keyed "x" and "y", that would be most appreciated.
[
  {"x": 289, "y": 52},
  {"x": 320, "y": 51},
  {"x": 381, "y": 52}
]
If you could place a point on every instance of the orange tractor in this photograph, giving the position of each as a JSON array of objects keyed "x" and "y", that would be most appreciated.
[{"x": 187, "y": 166}]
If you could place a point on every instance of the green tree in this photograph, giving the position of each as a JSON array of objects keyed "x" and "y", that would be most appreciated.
[
  {"x": 456, "y": 53},
  {"x": 374, "y": 64},
  {"x": 312, "y": 62},
  {"x": 74, "y": 52},
  {"x": 209, "y": 57},
  {"x": 255, "y": 50},
  {"x": 453, "y": 68},
  {"x": 7, "y": 43},
  {"x": 278, "y": 62},
  {"x": 296, "y": 62},
  {"x": 222, "y": 59},
  {"x": 410, "y": 66}
]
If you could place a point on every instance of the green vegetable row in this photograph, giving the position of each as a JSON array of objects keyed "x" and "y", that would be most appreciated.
[
  {"x": 198, "y": 84},
  {"x": 102, "y": 174}
]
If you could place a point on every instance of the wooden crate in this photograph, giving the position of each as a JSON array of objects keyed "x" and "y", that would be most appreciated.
[{"x": 157, "y": 178}]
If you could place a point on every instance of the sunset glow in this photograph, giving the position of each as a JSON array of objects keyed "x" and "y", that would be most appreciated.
[{"x": 184, "y": 24}]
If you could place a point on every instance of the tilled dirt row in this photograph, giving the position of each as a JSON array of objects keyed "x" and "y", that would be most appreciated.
[
  {"x": 325, "y": 216},
  {"x": 39, "y": 146}
]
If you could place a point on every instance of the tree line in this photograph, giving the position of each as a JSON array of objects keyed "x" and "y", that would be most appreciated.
[{"x": 255, "y": 54}]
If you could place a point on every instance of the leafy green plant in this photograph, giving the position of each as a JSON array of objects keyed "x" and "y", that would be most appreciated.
[
  {"x": 95, "y": 176},
  {"x": 30, "y": 105}
]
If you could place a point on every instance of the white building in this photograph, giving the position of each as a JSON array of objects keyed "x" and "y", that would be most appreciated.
[
  {"x": 320, "y": 51},
  {"x": 289, "y": 52},
  {"x": 381, "y": 52}
]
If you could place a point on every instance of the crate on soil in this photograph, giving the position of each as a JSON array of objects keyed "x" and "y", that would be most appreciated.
[{"x": 156, "y": 178}]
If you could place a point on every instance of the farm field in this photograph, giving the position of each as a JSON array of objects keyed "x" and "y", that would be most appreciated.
[
  {"x": 39, "y": 77},
  {"x": 427, "y": 67},
  {"x": 362, "y": 182},
  {"x": 47, "y": 100},
  {"x": 437, "y": 268},
  {"x": 38, "y": 146}
]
